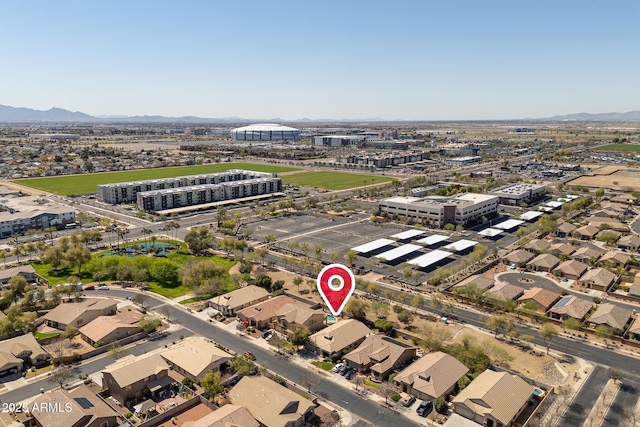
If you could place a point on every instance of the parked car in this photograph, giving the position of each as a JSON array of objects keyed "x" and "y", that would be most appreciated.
[
  {"x": 249, "y": 355},
  {"x": 512, "y": 267},
  {"x": 425, "y": 408},
  {"x": 350, "y": 374},
  {"x": 337, "y": 367},
  {"x": 344, "y": 370},
  {"x": 103, "y": 288},
  {"x": 89, "y": 288},
  {"x": 408, "y": 401}
]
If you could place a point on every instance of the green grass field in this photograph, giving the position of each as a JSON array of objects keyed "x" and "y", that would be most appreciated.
[
  {"x": 333, "y": 180},
  {"x": 69, "y": 185},
  {"x": 619, "y": 147}
]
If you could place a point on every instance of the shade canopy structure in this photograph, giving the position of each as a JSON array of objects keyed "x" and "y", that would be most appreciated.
[
  {"x": 372, "y": 246},
  {"x": 528, "y": 216},
  {"x": 398, "y": 252},
  {"x": 545, "y": 209},
  {"x": 144, "y": 407},
  {"x": 509, "y": 224},
  {"x": 408, "y": 234},
  {"x": 461, "y": 245},
  {"x": 429, "y": 259},
  {"x": 432, "y": 240},
  {"x": 555, "y": 205},
  {"x": 490, "y": 232}
]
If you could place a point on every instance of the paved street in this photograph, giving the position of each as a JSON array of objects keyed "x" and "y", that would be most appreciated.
[
  {"x": 579, "y": 409},
  {"x": 626, "y": 399}
]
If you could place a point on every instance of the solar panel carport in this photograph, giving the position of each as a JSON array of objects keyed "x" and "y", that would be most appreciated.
[
  {"x": 528, "y": 216},
  {"x": 398, "y": 252},
  {"x": 490, "y": 232},
  {"x": 432, "y": 240},
  {"x": 461, "y": 245},
  {"x": 408, "y": 234},
  {"x": 372, "y": 246},
  {"x": 429, "y": 259},
  {"x": 509, "y": 224}
]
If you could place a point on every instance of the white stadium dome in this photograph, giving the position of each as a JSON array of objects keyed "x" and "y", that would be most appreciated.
[{"x": 265, "y": 132}]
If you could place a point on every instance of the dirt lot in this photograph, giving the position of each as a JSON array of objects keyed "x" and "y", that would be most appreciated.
[{"x": 605, "y": 177}]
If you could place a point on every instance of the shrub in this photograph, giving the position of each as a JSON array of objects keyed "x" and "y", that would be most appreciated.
[
  {"x": 87, "y": 381},
  {"x": 305, "y": 291},
  {"x": 279, "y": 380},
  {"x": 128, "y": 415},
  {"x": 440, "y": 405},
  {"x": 383, "y": 325},
  {"x": 187, "y": 382},
  {"x": 334, "y": 358}
]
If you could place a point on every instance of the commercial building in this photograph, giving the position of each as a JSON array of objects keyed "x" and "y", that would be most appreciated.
[
  {"x": 518, "y": 193},
  {"x": 265, "y": 132},
  {"x": 383, "y": 160},
  {"x": 19, "y": 214},
  {"x": 337, "y": 140},
  {"x": 126, "y": 192},
  {"x": 439, "y": 211},
  {"x": 160, "y": 200},
  {"x": 461, "y": 161}
]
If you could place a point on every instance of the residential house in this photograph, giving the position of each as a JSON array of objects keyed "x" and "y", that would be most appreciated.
[
  {"x": 134, "y": 379},
  {"x": 610, "y": 224},
  {"x": 26, "y": 271},
  {"x": 519, "y": 257},
  {"x": 630, "y": 243},
  {"x": 263, "y": 314},
  {"x": 625, "y": 198},
  {"x": 633, "y": 333},
  {"x": 481, "y": 282},
  {"x": 226, "y": 416},
  {"x": 78, "y": 314},
  {"x": 338, "y": 338},
  {"x": 614, "y": 316},
  {"x": 588, "y": 254},
  {"x": 607, "y": 214},
  {"x": 76, "y": 408},
  {"x": 542, "y": 298},
  {"x": 543, "y": 262},
  {"x": 433, "y": 375},
  {"x": 537, "y": 246},
  {"x": 270, "y": 403},
  {"x": 615, "y": 234},
  {"x": 19, "y": 353},
  {"x": 565, "y": 229},
  {"x": 598, "y": 278},
  {"x": 236, "y": 300},
  {"x": 193, "y": 357},
  {"x": 493, "y": 399},
  {"x": 587, "y": 232},
  {"x": 107, "y": 329},
  {"x": 380, "y": 355},
  {"x": 299, "y": 314},
  {"x": 504, "y": 291},
  {"x": 570, "y": 306},
  {"x": 614, "y": 259},
  {"x": 571, "y": 269},
  {"x": 562, "y": 248}
]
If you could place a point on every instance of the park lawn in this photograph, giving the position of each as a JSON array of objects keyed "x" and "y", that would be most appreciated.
[
  {"x": 334, "y": 180},
  {"x": 174, "y": 292},
  {"x": 60, "y": 276},
  {"x": 195, "y": 299},
  {"x": 327, "y": 366},
  {"x": 619, "y": 147},
  {"x": 70, "y": 185}
]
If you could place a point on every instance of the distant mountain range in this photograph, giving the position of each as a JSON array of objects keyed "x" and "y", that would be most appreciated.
[{"x": 26, "y": 115}]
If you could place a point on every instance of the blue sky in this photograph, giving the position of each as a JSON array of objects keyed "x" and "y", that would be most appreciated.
[{"x": 414, "y": 60}]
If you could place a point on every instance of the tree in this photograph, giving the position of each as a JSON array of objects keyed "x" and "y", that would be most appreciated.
[
  {"x": 499, "y": 324},
  {"x": 380, "y": 309},
  {"x": 609, "y": 237},
  {"x": 317, "y": 250},
  {"x": 299, "y": 334},
  {"x": 309, "y": 380},
  {"x": 440, "y": 405},
  {"x": 387, "y": 390},
  {"x": 298, "y": 281},
  {"x": 117, "y": 352},
  {"x": 140, "y": 299},
  {"x": 616, "y": 374},
  {"x": 571, "y": 324},
  {"x": 547, "y": 333},
  {"x": 242, "y": 365},
  {"x": 60, "y": 375},
  {"x": 199, "y": 239},
  {"x": 70, "y": 333},
  {"x": 501, "y": 356},
  {"x": 416, "y": 302},
  {"x": 149, "y": 323},
  {"x": 604, "y": 332},
  {"x": 402, "y": 297},
  {"x": 357, "y": 308},
  {"x": 304, "y": 247},
  {"x": 373, "y": 288},
  {"x": 350, "y": 256},
  {"x": 57, "y": 349},
  {"x": 78, "y": 256},
  {"x": 164, "y": 272},
  {"x": 405, "y": 317},
  {"x": 437, "y": 302},
  {"x": 211, "y": 383}
]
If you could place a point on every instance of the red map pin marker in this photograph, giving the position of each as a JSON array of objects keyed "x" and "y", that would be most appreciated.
[{"x": 336, "y": 297}]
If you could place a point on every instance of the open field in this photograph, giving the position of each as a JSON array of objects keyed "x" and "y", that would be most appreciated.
[
  {"x": 619, "y": 147},
  {"x": 333, "y": 180},
  {"x": 87, "y": 183},
  {"x": 620, "y": 180}
]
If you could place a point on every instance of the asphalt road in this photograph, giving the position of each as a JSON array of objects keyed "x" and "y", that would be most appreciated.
[
  {"x": 583, "y": 402},
  {"x": 626, "y": 399}
]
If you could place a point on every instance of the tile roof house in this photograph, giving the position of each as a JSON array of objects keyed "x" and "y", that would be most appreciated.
[
  {"x": 493, "y": 399},
  {"x": 633, "y": 332},
  {"x": 26, "y": 271},
  {"x": 21, "y": 352},
  {"x": 80, "y": 313},
  {"x": 588, "y": 232},
  {"x": 562, "y": 248},
  {"x": 565, "y": 229},
  {"x": 625, "y": 198},
  {"x": 263, "y": 314},
  {"x": 433, "y": 375},
  {"x": 134, "y": 379},
  {"x": 519, "y": 256},
  {"x": 570, "y": 306},
  {"x": 537, "y": 246},
  {"x": 630, "y": 242},
  {"x": 571, "y": 269},
  {"x": 193, "y": 357},
  {"x": 78, "y": 408},
  {"x": 586, "y": 254},
  {"x": 238, "y": 299},
  {"x": 341, "y": 336},
  {"x": 543, "y": 262},
  {"x": 481, "y": 282},
  {"x": 612, "y": 224},
  {"x": 542, "y": 298},
  {"x": 381, "y": 355},
  {"x": 270, "y": 403},
  {"x": 226, "y": 416},
  {"x": 107, "y": 329},
  {"x": 299, "y": 314},
  {"x": 614, "y": 259},
  {"x": 613, "y": 316},
  {"x": 597, "y": 278},
  {"x": 504, "y": 291}
]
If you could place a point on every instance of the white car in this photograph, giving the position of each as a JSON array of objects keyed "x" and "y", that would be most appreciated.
[
  {"x": 103, "y": 288},
  {"x": 338, "y": 367}
]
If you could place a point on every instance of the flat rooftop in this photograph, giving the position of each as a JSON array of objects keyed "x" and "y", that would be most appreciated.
[{"x": 516, "y": 189}]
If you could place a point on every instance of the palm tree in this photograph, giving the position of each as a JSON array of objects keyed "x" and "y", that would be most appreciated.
[{"x": 146, "y": 232}]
